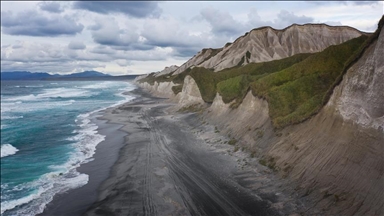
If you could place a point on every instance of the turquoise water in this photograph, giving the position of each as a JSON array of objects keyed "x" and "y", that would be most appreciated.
[{"x": 46, "y": 133}]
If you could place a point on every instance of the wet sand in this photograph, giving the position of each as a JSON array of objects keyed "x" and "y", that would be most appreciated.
[
  {"x": 176, "y": 164},
  {"x": 158, "y": 162}
]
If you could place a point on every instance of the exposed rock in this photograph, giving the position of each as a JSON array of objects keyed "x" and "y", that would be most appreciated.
[
  {"x": 267, "y": 44},
  {"x": 190, "y": 94},
  {"x": 337, "y": 156},
  {"x": 197, "y": 59},
  {"x": 167, "y": 70},
  {"x": 360, "y": 96},
  {"x": 246, "y": 122},
  {"x": 164, "y": 89},
  {"x": 140, "y": 77}
]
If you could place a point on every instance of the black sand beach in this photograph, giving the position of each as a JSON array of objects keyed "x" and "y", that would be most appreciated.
[{"x": 156, "y": 162}]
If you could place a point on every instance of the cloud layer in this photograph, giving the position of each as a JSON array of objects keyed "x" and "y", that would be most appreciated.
[
  {"x": 137, "y": 9},
  {"x": 32, "y": 23},
  {"x": 144, "y": 36}
]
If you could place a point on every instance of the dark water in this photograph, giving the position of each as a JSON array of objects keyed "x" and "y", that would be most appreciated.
[{"x": 46, "y": 134}]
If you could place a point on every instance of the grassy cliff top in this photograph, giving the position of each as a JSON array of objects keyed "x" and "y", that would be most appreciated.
[{"x": 296, "y": 87}]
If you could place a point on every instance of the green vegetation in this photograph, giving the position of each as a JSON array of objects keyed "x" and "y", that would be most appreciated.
[
  {"x": 177, "y": 88},
  {"x": 297, "y": 92},
  {"x": 296, "y": 87},
  {"x": 271, "y": 164},
  {"x": 236, "y": 149},
  {"x": 232, "y": 142},
  {"x": 231, "y": 88},
  {"x": 263, "y": 162},
  {"x": 192, "y": 108},
  {"x": 213, "y": 53},
  {"x": 253, "y": 154}
]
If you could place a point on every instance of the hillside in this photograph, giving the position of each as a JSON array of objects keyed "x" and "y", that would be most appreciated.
[
  {"x": 315, "y": 118},
  {"x": 267, "y": 44},
  {"x": 295, "y": 87},
  {"x": 26, "y": 75}
]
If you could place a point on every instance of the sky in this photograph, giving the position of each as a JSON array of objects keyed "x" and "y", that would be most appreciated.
[{"x": 128, "y": 37}]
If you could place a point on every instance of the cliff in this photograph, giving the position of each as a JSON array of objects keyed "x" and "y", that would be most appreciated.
[
  {"x": 267, "y": 44},
  {"x": 337, "y": 156},
  {"x": 333, "y": 153}
]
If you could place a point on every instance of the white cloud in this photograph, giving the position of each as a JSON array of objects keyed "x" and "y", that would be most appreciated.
[
  {"x": 76, "y": 45},
  {"x": 145, "y": 37}
]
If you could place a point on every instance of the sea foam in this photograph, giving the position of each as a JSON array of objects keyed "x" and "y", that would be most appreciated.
[{"x": 8, "y": 149}]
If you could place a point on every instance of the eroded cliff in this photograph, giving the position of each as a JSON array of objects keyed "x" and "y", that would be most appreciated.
[
  {"x": 267, "y": 44},
  {"x": 335, "y": 158}
]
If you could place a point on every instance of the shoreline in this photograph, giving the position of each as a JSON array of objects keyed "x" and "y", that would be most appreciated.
[
  {"x": 75, "y": 201},
  {"x": 170, "y": 164},
  {"x": 176, "y": 164}
]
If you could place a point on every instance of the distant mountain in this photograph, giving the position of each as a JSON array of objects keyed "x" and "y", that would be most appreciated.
[
  {"x": 26, "y": 75},
  {"x": 87, "y": 74}
]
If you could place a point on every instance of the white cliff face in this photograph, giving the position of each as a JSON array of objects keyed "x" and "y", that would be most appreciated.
[
  {"x": 360, "y": 96},
  {"x": 242, "y": 122},
  {"x": 199, "y": 58},
  {"x": 344, "y": 141},
  {"x": 164, "y": 89},
  {"x": 167, "y": 70},
  {"x": 190, "y": 94},
  {"x": 140, "y": 77},
  {"x": 267, "y": 44}
]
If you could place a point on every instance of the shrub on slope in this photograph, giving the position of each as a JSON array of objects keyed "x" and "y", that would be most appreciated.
[{"x": 295, "y": 87}]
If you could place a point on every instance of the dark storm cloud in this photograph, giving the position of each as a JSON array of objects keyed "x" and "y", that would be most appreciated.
[
  {"x": 53, "y": 7},
  {"x": 31, "y": 23},
  {"x": 139, "y": 9}
]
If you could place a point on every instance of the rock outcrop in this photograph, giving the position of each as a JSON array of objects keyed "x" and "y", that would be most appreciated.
[
  {"x": 162, "y": 89},
  {"x": 190, "y": 94},
  {"x": 336, "y": 158},
  {"x": 360, "y": 96},
  {"x": 197, "y": 59},
  {"x": 267, "y": 44},
  {"x": 167, "y": 70},
  {"x": 248, "y": 121}
]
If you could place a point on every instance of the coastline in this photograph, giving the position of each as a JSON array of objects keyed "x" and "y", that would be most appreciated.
[
  {"x": 75, "y": 202},
  {"x": 153, "y": 162},
  {"x": 176, "y": 164}
]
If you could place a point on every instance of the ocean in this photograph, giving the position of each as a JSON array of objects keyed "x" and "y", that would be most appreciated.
[{"x": 46, "y": 133}]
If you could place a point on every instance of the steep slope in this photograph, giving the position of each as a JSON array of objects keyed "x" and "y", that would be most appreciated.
[
  {"x": 335, "y": 159},
  {"x": 267, "y": 44},
  {"x": 200, "y": 57},
  {"x": 337, "y": 156},
  {"x": 167, "y": 70}
]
